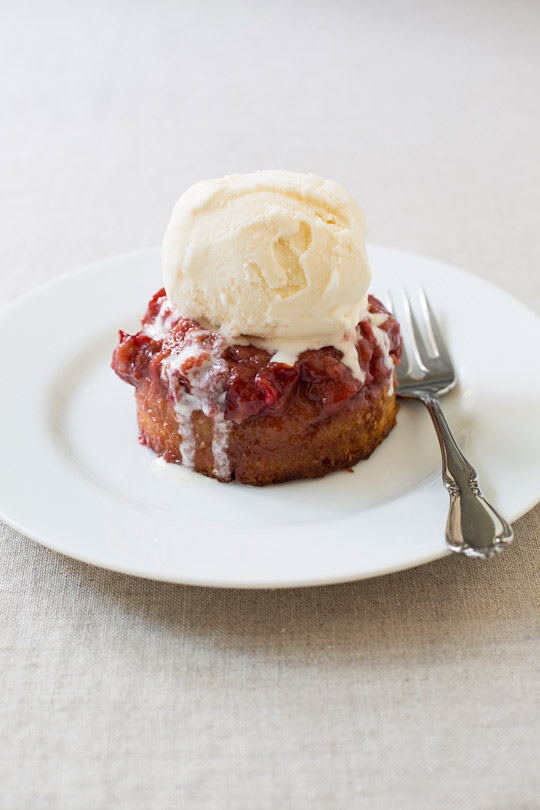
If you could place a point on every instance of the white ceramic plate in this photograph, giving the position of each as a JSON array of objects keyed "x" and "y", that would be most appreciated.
[{"x": 73, "y": 476}]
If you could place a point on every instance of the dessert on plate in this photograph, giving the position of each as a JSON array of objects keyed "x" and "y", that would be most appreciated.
[{"x": 264, "y": 358}]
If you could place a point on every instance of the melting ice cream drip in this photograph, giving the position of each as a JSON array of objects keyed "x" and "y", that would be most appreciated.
[
  {"x": 377, "y": 319},
  {"x": 204, "y": 372}
]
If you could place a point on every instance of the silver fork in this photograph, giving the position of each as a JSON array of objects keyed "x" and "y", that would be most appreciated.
[{"x": 474, "y": 527}]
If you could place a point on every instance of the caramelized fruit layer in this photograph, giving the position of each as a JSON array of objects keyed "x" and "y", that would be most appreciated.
[{"x": 254, "y": 386}]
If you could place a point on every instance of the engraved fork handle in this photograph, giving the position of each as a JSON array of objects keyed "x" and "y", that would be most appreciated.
[{"x": 474, "y": 527}]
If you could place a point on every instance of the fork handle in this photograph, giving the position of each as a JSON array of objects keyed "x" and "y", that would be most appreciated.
[{"x": 474, "y": 527}]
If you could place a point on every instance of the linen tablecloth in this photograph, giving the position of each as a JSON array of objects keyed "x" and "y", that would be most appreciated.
[{"x": 418, "y": 689}]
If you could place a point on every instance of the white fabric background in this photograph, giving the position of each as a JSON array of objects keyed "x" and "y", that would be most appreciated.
[{"x": 421, "y": 689}]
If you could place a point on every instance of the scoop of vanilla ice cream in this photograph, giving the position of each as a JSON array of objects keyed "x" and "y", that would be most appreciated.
[{"x": 273, "y": 254}]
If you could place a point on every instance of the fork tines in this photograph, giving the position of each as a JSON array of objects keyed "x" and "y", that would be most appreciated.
[{"x": 424, "y": 348}]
